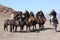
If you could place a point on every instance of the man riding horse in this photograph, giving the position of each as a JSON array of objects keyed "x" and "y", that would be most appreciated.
[
  {"x": 40, "y": 19},
  {"x": 53, "y": 19},
  {"x": 33, "y": 20},
  {"x": 16, "y": 20},
  {"x": 38, "y": 14}
]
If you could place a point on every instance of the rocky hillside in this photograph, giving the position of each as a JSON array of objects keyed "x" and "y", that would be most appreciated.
[{"x": 4, "y": 9}]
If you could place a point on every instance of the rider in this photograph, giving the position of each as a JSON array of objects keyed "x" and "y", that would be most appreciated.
[
  {"x": 12, "y": 15},
  {"x": 53, "y": 14},
  {"x": 37, "y": 15},
  {"x": 40, "y": 14},
  {"x": 31, "y": 14},
  {"x": 26, "y": 14}
]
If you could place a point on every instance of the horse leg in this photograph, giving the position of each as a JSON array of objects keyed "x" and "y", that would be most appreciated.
[
  {"x": 4, "y": 27},
  {"x": 7, "y": 27},
  {"x": 35, "y": 26},
  {"x": 15, "y": 28},
  {"x": 10, "y": 28},
  {"x": 39, "y": 26},
  {"x": 29, "y": 28},
  {"x": 42, "y": 26},
  {"x": 22, "y": 27},
  {"x": 53, "y": 28},
  {"x": 56, "y": 28},
  {"x": 26, "y": 28}
]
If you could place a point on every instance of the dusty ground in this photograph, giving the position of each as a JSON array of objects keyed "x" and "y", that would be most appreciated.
[{"x": 47, "y": 34}]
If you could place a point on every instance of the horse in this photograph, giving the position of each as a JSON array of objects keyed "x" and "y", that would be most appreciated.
[
  {"x": 34, "y": 20},
  {"x": 53, "y": 20},
  {"x": 17, "y": 21},
  {"x": 40, "y": 19},
  {"x": 30, "y": 21}
]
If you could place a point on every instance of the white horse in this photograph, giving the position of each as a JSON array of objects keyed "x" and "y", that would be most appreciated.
[{"x": 53, "y": 22}]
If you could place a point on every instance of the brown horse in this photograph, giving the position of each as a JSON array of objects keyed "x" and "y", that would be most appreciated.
[
  {"x": 40, "y": 19},
  {"x": 30, "y": 22},
  {"x": 13, "y": 23}
]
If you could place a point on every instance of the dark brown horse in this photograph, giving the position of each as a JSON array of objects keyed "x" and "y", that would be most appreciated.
[
  {"x": 40, "y": 19},
  {"x": 13, "y": 23}
]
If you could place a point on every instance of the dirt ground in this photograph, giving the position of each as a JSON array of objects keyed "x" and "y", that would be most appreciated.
[{"x": 46, "y": 34}]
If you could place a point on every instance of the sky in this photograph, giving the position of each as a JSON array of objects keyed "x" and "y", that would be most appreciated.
[{"x": 33, "y": 5}]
